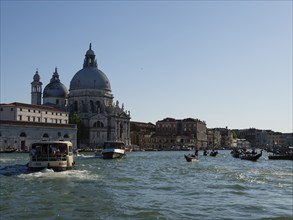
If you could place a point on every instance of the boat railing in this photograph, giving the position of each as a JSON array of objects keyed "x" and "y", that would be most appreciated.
[{"x": 50, "y": 158}]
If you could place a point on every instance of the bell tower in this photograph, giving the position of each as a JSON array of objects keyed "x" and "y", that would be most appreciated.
[{"x": 36, "y": 92}]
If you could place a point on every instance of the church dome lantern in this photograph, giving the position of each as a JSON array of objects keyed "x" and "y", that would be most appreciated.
[{"x": 90, "y": 77}]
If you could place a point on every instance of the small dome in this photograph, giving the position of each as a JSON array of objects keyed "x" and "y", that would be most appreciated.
[{"x": 55, "y": 88}]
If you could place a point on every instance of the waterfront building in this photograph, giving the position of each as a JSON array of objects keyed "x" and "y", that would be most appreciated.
[
  {"x": 180, "y": 133},
  {"x": 22, "y": 124},
  {"x": 214, "y": 138},
  {"x": 141, "y": 135},
  {"x": 227, "y": 137}
]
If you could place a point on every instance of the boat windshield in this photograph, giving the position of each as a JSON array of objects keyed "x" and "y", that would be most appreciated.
[
  {"x": 116, "y": 145},
  {"x": 51, "y": 149}
]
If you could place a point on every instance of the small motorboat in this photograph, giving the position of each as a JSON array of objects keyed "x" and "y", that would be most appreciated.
[
  {"x": 281, "y": 157},
  {"x": 190, "y": 158},
  {"x": 251, "y": 157},
  {"x": 113, "y": 150},
  {"x": 288, "y": 155}
]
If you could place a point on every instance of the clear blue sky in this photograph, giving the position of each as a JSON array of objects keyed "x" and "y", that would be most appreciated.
[{"x": 228, "y": 63}]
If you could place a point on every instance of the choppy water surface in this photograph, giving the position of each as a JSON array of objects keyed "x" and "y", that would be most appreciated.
[{"x": 148, "y": 185}]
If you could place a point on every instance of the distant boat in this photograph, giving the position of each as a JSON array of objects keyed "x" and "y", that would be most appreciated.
[
  {"x": 8, "y": 151},
  {"x": 113, "y": 150},
  {"x": 190, "y": 158},
  {"x": 235, "y": 153},
  {"x": 213, "y": 153},
  {"x": 288, "y": 155},
  {"x": 56, "y": 155},
  {"x": 251, "y": 157},
  {"x": 281, "y": 157}
]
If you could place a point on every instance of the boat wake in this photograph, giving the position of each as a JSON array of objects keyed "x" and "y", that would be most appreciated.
[
  {"x": 13, "y": 170},
  {"x": 71, "y": 174}
]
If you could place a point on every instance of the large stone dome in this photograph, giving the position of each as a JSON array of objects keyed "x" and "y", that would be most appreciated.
[
  {"x": 90, "y": 77},
  {"x": 55, "y": 88}
]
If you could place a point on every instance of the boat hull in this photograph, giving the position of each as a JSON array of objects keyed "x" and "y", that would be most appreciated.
[
  {"x": 251, "y": 157},
  {"x": 54, "y": 165},
  {"x": 281, "y": 157},
  {"x": 113, "y": 153},
  {"x": 190, "y": 158}
]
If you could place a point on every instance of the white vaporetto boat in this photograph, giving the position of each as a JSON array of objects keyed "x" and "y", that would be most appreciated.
[
  {"x": 113, "y": 149},
  {"x": 56, "y": 155}
]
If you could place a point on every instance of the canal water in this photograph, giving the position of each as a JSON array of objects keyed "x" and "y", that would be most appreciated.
[{"x": 148, "y": 185}]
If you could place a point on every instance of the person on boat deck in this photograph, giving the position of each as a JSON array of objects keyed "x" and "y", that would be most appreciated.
[
  {"x": 196, "y": 152},
  {"x": 53, "y": 150},
  {"x": 33, "y": 151}
]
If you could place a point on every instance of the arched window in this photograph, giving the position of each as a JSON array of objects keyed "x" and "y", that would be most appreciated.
[
  {"x": 92, "y": 106},
  {"x": 98, "y": 106},
  {"x": 45, "y": 135},
  {"x": 75, "y": 106},
  {"x": 98, "y": 124},
  {"x": 22, "y": 134},
  {"x": 121, "y": 130}
]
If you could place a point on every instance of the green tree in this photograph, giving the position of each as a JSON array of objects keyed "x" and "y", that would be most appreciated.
[
  {"x": 81, "y": 129},
  {"x": 234, "y": 135}
]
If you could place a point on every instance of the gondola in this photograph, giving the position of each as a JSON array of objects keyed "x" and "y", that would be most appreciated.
[
  {"x": 190, "y": 158},
  {"x": 251, "y": 157},
  {"x": 235, "y": 153},
  {"x": 8, "y": 151},
  {"x": 213, "y": 153}
]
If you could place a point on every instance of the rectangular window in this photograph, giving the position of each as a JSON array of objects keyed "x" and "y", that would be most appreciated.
[
  {"x": 20, "y": 117},
  {"x": 11, "y": 109}
]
